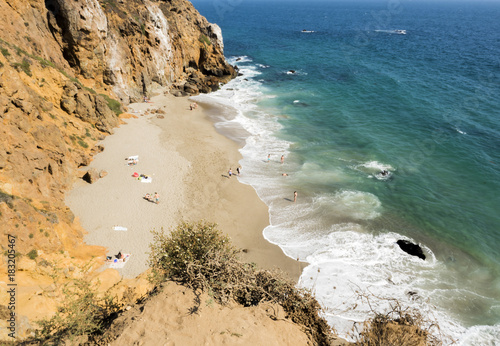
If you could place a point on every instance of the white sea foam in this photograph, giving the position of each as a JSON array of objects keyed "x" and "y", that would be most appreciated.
[
  {"x": 295, "y": 72},
  {"x": 328, "y": 230}
]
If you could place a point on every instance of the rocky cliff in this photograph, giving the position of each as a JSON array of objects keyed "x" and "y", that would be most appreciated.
[{"x": 63, "y": 66}]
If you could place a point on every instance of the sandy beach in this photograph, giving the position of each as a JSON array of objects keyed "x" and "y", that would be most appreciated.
[{"x": 188, "y": 162}]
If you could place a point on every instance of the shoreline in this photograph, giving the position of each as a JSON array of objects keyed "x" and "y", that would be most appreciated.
[{"x": 188, "y": 160}]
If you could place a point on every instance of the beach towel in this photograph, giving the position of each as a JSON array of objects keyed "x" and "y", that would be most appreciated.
[
  {"x": 147, "y": 180},
  {"x": 119, "y": 228},
  {"x": 120, "y": 263},
  {"x": 132, "y": 158}
]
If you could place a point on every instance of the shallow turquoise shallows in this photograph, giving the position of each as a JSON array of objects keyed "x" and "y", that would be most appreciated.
[{"x": 345, "y": 91}]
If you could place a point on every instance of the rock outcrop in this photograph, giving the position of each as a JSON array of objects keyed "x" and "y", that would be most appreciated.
[
  {"x": 134, "y": 46},
  {"x": 410, "y": 248}
]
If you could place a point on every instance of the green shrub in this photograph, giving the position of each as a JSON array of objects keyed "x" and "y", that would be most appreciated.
[
  {"x": 205, "y": 40},
  {"x": 5, "y": 52},
  {"x": 31, "y": 235},
  {"x": 114, "y": 105},
  {"x": 198, "y": 255},
  {"x": 190, "y": 246},
  {"x": 32, "y": 254},
  {"x": 83, "y": 143},
  {"x": 5, "y": 197}
]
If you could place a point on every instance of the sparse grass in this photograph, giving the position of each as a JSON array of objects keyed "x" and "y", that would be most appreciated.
[
  {"x": 114, "y": 105},
  {"x": 5, "y": 52},
  {"x": 24, "y": 66},
  {"x": 205, "y": 40},
  {"x": 46, "y": 234},
  {"x": 83, "y": 144},
  {"x": 90, "y": 90},
  {"x": 198, "y": 255}
]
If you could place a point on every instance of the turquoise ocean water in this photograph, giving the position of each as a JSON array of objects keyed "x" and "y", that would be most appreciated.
[{"x": 363, "y": 98}]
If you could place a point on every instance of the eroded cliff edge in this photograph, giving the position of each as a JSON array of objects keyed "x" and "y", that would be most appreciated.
[{"x": 63, "y": 65}]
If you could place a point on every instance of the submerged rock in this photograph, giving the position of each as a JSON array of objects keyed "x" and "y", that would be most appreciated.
[{"x": 410, "y": 248}]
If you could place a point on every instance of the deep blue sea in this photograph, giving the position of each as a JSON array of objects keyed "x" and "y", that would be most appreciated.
[{"x": 336, "y": 89}]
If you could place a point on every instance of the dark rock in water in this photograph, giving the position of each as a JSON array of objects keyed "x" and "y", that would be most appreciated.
[
  {"x": 410, "y": 248},
  {"x": 240, "y": 74},
  {"x": 239, "y": 59},
  {"x": 291, "y": 71}
]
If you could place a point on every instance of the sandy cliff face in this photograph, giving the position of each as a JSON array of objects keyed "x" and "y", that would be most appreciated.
[{"x": 60, "y": 62}]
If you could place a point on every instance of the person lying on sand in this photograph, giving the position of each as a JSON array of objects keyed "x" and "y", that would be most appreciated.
[{"x": 147, "y": 197}]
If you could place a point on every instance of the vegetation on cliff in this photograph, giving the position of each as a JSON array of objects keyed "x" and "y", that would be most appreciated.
[
  {"x": 200, "y": 256},
  {"x": 65, "y": 69}
]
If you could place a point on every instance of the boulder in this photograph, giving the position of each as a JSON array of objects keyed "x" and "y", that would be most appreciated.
[
  {"x": 91, "y": 176},
  {"x": 410, "y": 248}
]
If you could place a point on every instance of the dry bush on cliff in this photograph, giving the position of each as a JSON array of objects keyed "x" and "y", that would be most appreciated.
[
  {"x": 84, "y": 312},
  {"x": 402, "y": 326},
  {"x": 200, "y": 256}
]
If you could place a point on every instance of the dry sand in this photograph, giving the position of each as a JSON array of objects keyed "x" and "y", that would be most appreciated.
[
  {"x": 188, "y": 162},
  {"x": 194, "y": 319}
]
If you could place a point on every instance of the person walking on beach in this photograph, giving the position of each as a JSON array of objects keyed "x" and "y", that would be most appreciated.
[
  {"x": 295, "y": 196},
  {"x": 268, "y": 157},
  {"x": 230, "y": 173},
  {"x": 282, "y": 159},
  {"x": 156, "y": 198},
  {"x": 238, "y": 170}
]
